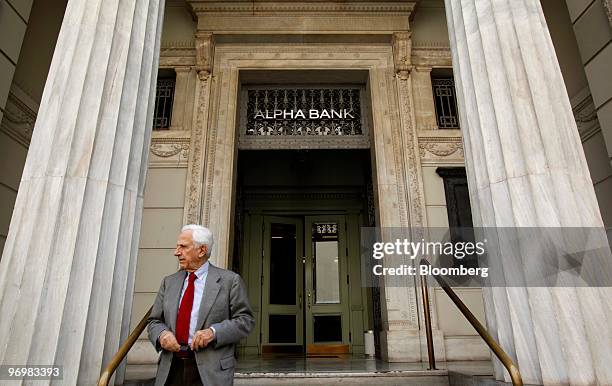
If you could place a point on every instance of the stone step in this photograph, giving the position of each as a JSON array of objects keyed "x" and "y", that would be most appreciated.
[
  {"x": 328, "y": 379},
  {"x": 459, "y": 379},
  {"x": 416, "y": 378},
  {"x": 260, "y": 372},
  {"x": 143, "y": 375}
]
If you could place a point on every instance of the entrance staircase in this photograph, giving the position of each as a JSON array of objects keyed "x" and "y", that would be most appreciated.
[
  {"x": 354, "y": 371},
  {"x": 348, "y": 371}
]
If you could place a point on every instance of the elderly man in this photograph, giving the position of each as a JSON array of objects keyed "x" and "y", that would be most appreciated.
[{"x": 200, "y": 313}]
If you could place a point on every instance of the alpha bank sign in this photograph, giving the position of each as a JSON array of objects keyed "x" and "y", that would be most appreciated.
[{"x": 304, "y": 114}]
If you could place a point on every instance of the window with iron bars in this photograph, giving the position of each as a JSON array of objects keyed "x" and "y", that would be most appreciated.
[
  {"x": 445, "y": 100},
  {"x": 164, "y": 96}
]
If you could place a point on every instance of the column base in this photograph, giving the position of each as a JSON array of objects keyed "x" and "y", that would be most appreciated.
[{"x": 410, "y": 346}]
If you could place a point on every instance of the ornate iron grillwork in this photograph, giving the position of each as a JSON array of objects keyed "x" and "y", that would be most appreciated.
[
  {"x": 304, "y": 112},
  {"x": 446, "y": 103},
  {"x": 322, "y": 231},
  {"x": 164, "y": 96}
]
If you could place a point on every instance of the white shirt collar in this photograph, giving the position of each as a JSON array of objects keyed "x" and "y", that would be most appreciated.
[{"x": 204, "y": 268}]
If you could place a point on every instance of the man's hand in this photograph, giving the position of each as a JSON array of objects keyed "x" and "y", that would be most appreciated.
[
  {"x": 168, "y": 341},
  {"x": 202, "y": 338}
]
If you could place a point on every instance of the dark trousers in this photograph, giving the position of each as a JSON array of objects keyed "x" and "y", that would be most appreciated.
[{"x": 184, "y": 372}]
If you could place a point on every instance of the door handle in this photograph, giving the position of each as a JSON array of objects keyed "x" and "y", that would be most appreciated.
[
  {"x": 309, "y": 299},
  {"x": 300, "y": 301}
]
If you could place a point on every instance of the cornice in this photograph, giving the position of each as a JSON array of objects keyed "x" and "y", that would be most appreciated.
[
  {"x": 178, "y": 45},
  {"x": 301, "y": 7},
  {"x": 431, "y": 54}
]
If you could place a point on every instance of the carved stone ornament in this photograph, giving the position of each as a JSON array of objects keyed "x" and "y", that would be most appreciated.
[
  {"x": 402, "y": 51},
  {"x": 440, "y": 147},
  {"x": 204, "y": 54},
  {"x": 166, "y": 150}
]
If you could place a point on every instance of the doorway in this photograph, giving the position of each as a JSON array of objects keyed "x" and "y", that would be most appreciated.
[
  {"x": 305, "y": 293},
  {"x": 297, "y": 248}
]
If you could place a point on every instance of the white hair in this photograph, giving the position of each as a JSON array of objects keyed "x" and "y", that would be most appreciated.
[{"x": 201, "y": 236}]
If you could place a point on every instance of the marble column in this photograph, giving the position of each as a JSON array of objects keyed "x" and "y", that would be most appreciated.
[
  {"x": 526, "y": 168},
  {"x": 67, "y": 270}
]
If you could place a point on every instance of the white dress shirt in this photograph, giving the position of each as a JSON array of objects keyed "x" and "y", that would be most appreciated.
[{"x": 198, "y": 294}]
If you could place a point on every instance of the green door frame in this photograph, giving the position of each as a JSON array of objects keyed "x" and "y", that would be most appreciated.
[
  {"x": 305, "y": 307},
  {"x": 314, "y": 308},
  {"x": 319, "y": 203}
]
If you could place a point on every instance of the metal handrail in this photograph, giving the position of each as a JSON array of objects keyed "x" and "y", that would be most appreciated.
[
  {"x": 427, "y": 312},
  {"x": 123, "y": 350},
  {"x": 515, "y": 374}
]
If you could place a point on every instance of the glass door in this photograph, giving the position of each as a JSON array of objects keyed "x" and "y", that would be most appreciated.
[
  {"x": 326, "y": 285},
  {"x": 305, "y": 300},
  {"x": 282, "y": 285}
]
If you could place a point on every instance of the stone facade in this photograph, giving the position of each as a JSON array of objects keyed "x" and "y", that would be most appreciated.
[{"x": 192, "y": 165}]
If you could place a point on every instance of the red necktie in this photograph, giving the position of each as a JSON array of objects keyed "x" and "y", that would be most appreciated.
[{"x": 184, "y": 314}]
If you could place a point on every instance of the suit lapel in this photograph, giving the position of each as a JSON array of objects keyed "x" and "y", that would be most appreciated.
[
  {"x": 174, "y": 293},
  {"x": 211, "y": 290}
]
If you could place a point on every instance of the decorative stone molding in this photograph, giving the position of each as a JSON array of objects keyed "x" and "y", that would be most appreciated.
[
  {"x": 238, "y": 7},
  {"x": 585, "y": 114},
  {"x": 175, "y": 54},
  {"x": 197, "y": 159},
  {"x": 402, "y": 47},
  {"x": 166, "y": 150},
  {"x": 178, "y": 45},
  {"x": 436, "y": 148},
  {"x": 169, "y": 148},
  {"x": 311, "y": 142},
  {"x": 204, "y": 54},
  {"x": 413, "y": 172},
  {"x": 431, "y": 54},
  {"x": 407, "y": 143},
  {"x": 18, "y": 120}
]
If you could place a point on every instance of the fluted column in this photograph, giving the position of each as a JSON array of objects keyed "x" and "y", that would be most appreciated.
[
  {"x": 526, "y": 168},
  {"x": 67, "y": 271}
]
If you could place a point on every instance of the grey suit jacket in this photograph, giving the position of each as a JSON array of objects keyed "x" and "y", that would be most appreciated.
[{"x": 224, "y": 306}]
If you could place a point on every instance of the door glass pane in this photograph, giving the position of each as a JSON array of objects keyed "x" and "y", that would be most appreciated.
[
  {"x": 326, "y": 266},
  {"x": 281, "y": 329},
  {"x": 282, "y": 264},
  {"x": 327, "y": 328}
]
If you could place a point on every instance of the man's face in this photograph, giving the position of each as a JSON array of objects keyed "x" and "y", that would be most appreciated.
[{"x": 190, "y": 258}]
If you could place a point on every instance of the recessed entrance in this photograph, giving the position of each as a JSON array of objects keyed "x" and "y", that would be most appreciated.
[
  {"x": 305, "y": 293},
  {"x": 298, "y": 216}
]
